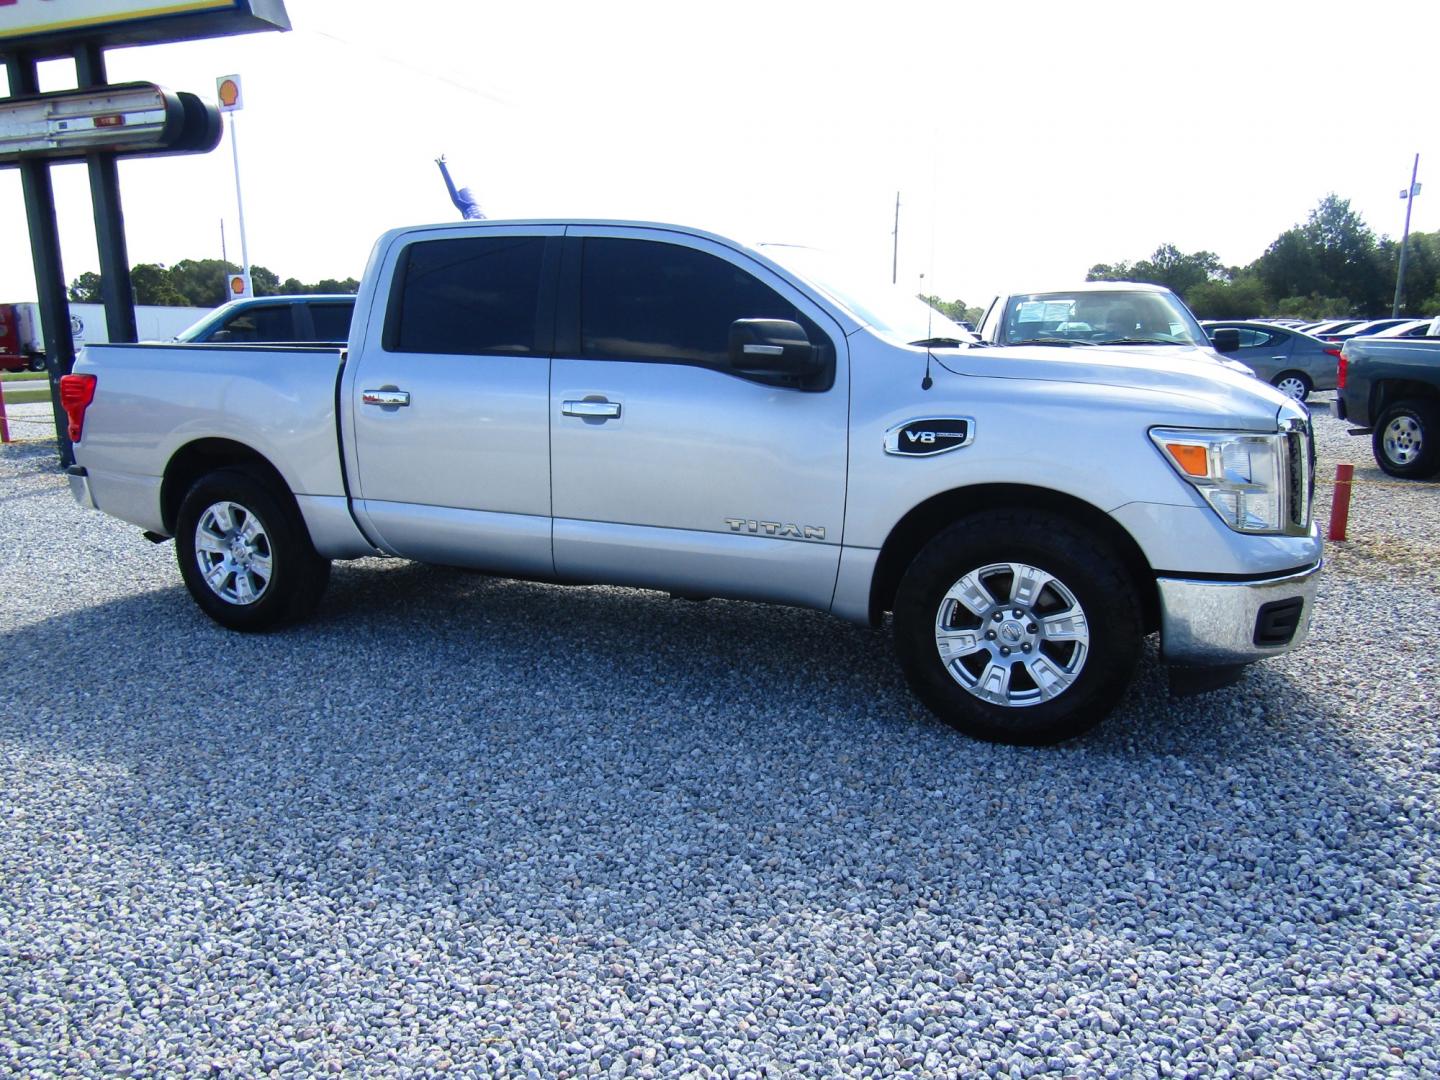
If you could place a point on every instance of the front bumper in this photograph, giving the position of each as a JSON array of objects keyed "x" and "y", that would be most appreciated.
[{"x": 1223, "y": 623}]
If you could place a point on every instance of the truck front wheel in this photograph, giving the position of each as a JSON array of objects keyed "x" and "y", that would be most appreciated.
[
  {"x": 1407, "y": 439},
  {"x": 1018, "y": 626},
  {"x": 245, "y": 554}
]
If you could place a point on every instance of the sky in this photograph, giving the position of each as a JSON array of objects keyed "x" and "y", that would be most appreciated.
[{"x": 1027, "y": 140}]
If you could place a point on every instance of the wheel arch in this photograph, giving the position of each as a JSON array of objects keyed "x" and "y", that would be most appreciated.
[
  {"x": 913, "y": 531},
  {"x": 1386, "y": 392},
  {"x": 204, "y": 456}
]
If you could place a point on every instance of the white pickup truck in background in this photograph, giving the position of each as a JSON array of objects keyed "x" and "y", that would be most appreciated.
[{"x": 655, "y": 406}]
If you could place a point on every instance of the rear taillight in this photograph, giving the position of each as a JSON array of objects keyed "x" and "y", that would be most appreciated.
[
  {"x": 76, "y": 394},
  {"x": 1342, "y": 368}
]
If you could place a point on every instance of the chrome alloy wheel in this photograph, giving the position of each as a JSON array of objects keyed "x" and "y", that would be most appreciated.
[
  {"x": 233, "y": 553},
  {"x": 1012, "y": 634},
  {"x": 1403, "y": 440}
]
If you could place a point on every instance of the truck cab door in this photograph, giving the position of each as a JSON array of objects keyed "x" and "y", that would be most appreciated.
[
  {"x": 447, "y": 399},
  {"x": 671, "y": 469}
]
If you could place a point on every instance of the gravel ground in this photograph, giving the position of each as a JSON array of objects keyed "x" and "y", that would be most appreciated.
[{"x": 462, "y": 824}]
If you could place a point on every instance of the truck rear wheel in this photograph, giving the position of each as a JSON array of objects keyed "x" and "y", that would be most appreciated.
[
  {"x": 245, "y": 554},
  {"x": 1018, "y": 626},
  {"x": 1407, "y": 439}
]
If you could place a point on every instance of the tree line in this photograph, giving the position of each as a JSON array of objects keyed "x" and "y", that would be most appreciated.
[
  {"x": 200, "y": 283},
  {"x": 1330, "y": 266}
]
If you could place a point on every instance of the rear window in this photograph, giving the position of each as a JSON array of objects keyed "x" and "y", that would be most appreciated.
[{"x": 471, "y": 295}]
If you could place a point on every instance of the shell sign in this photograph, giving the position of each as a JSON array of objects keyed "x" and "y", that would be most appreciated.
[
  {"x": 227, "y": 89},
  {"x": 47, "y": 28}
]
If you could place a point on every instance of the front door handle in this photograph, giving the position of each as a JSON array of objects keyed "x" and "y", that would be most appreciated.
[
  {"x": 601, "y": 410},
  {"x": 385, "y": 397}
]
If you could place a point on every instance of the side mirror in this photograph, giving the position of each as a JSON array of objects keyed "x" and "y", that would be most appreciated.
[
  {"x": 773, "y": 348},
  {"x": 218, "y": 337},
  {"x": 1225, "y": 339}
]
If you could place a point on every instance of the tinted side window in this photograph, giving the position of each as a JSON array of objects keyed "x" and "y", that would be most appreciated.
[
  {"x": 1255, "y": 339},
  {"x": 273, "y": 322},
  {"x": 645, "y": 300},
  {"x": 331, "y": 321},
  {"x": 471, "y": 295}
]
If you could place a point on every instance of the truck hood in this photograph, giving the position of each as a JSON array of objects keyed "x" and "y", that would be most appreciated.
[{"x": 1194, "y": 380}]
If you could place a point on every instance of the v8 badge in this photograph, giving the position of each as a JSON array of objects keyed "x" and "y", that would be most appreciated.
[{"x": 930, "y": 435}]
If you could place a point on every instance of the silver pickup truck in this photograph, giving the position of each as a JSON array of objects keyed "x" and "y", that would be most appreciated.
[{"x": 655, "y": 406}]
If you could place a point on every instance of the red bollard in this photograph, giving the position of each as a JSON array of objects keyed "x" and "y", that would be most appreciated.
[
  {"x": 4, "y": 423},
  {"x": 1340, "y": 503}
]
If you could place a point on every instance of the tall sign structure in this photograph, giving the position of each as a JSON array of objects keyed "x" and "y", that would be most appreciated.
[{"x": 100, "y": 123}]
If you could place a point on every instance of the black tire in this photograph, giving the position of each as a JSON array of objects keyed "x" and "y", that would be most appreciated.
[
  {"x": 1294, "y": 384},
  {"x": 264, "y": 552},
  {"x": 37, "y": 363},
  {"x": 1406, "y": 439},
  {"x": 1083, "y": 573}
]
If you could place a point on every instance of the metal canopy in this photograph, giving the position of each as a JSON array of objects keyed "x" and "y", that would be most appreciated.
[{"x": 42, "y": 30}]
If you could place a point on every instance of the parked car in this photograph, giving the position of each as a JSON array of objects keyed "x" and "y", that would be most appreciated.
[
  {"x": 275, "y": 320},
  {"x": 1390, "y": 389},
  {"x": 1410, "y": 328},
  {"x": 655, "y": 406},
  {"x": 1294, "y": 362},
  {"x": 1322, "y": 330},
  {"x": 1365, "y": 329},
  {"x": 1149, "y": 319}
]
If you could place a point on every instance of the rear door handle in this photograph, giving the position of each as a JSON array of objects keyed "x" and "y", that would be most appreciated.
[
  {"x": 385, "y": 397},
  {"x": 603, "y": 410}
]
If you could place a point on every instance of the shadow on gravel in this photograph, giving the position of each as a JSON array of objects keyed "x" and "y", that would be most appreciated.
[{"x": 593, "y": 763}]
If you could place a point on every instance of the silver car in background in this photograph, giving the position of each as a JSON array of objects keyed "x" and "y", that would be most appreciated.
[{"x": 1294, "y": 362}]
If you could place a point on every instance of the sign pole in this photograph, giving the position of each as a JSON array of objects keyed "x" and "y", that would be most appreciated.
[
  {"x": 116, "y": 289},
  {"x": 240, "y": 207},
  {"x": 45, "y": 253},
  {"x": 1409, "y": 196},
  {"x": 227, "y": 89}
]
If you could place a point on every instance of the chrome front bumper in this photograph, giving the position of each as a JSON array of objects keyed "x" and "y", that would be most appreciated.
[{"x": 1222, "y": 623}]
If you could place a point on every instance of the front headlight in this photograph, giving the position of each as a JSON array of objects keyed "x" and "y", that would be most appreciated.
[{"x": 1243, "y": 476}]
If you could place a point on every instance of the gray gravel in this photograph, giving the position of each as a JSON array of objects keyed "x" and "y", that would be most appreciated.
[{"x": 462, "y": 824}]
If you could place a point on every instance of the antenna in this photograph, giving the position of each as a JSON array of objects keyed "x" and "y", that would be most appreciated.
[
  {"x": 895, "y": 249},
  {"x": 927, "y": 382}
]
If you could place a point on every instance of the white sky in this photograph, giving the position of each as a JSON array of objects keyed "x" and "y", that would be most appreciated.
[{"x": 1028, "y": 140}]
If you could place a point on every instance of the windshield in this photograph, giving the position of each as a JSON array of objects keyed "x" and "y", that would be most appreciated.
[
  {"x": 885, "y": 308},
  {"x": 1109, "y": 317}
]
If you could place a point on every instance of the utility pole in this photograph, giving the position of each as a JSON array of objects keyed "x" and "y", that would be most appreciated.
[
  {"x": 1409, "y": 196},
  {"x": 895, "y": 250}
]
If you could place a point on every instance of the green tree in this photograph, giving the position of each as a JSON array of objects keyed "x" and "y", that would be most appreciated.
[
  {"x": 1177, "y": 271},
  {"x": 1422, "y": 272},
  {"x": 85, "y": 289},
  {"x": 1241, "y": 297},
  {"x": 200, "y": 283},
  {"x": 1121, "y": 271},
  {"x": 1334, "y": 254},
  {"x": 951, "y": 309},
  {"x": 152, "y": 285},
  {"x": 1167, "y": 265}
]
